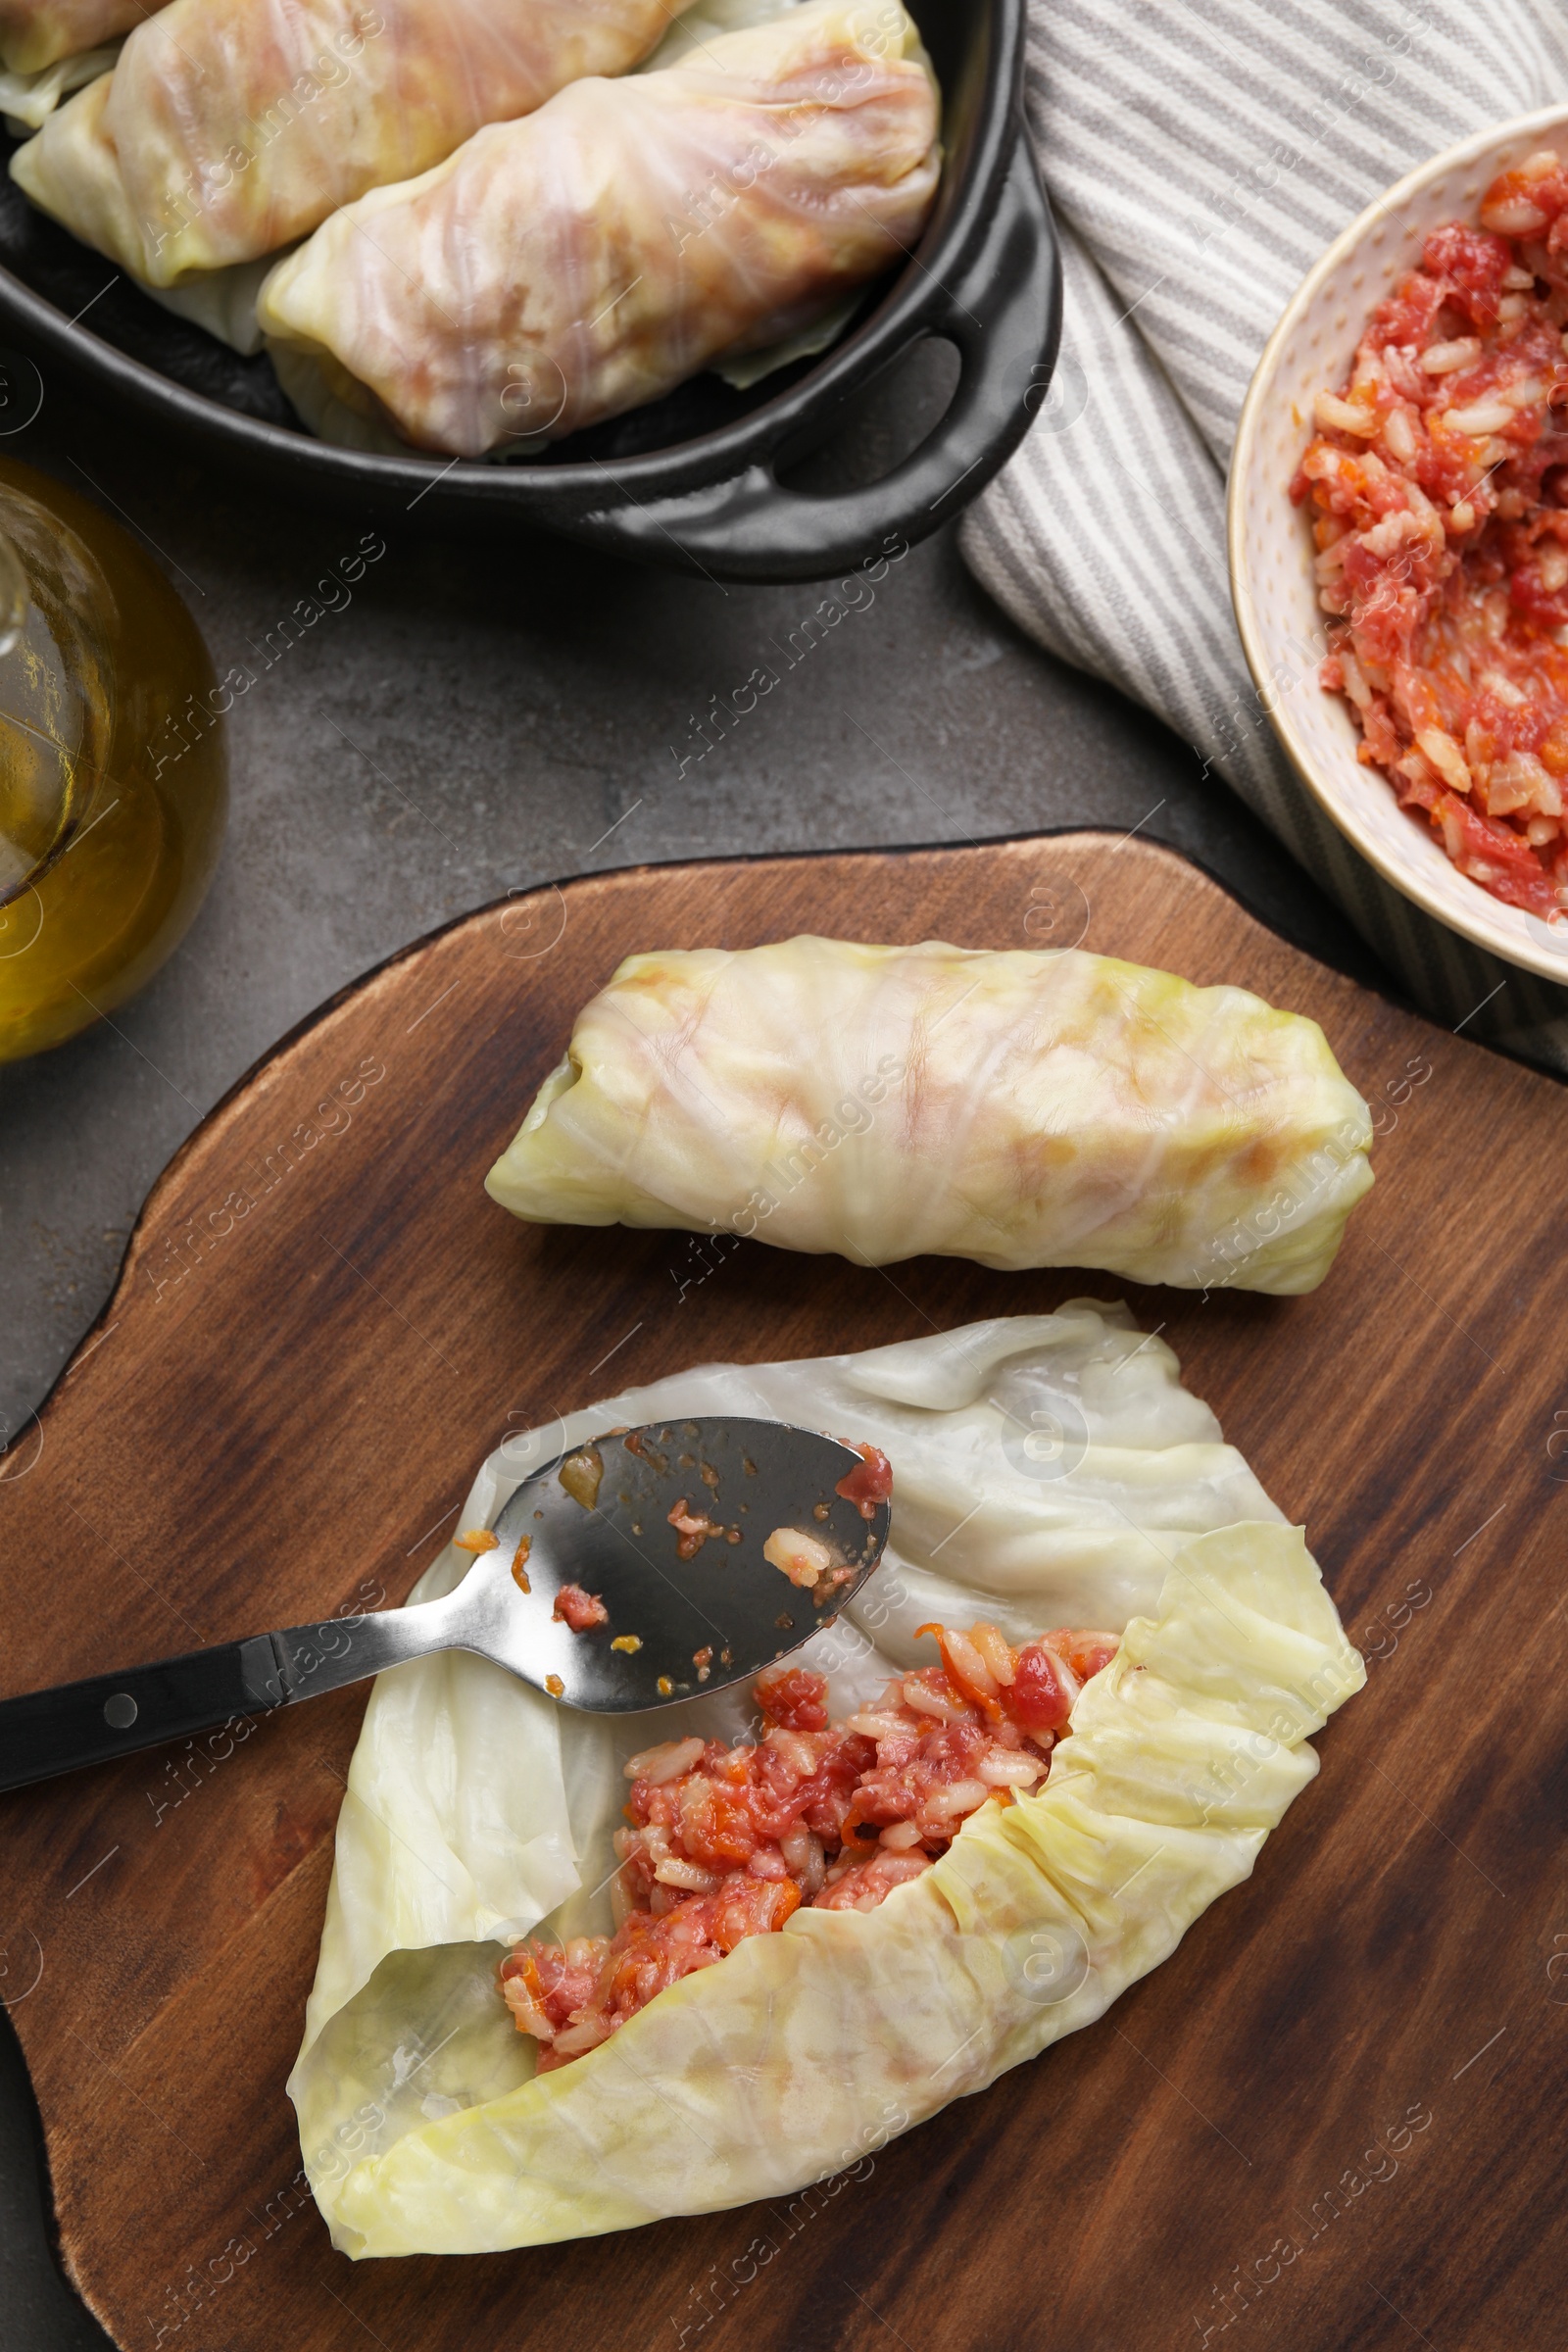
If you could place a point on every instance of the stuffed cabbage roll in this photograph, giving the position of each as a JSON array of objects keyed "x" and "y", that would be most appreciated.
[
  {"x": 568, "y": 268},
  {"x": 1141, "y": 1769},
  {"x": 35, "y": 33},
  {"x": 230, "y": 127},
  {"x": 1023, "y": 1108}
]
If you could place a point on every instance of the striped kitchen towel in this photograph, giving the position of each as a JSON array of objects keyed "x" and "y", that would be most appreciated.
[{"x": 1201, "y": 154}]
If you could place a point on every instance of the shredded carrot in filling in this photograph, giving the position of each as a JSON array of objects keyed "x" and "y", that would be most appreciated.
[{"x": 727, "y": 1842}]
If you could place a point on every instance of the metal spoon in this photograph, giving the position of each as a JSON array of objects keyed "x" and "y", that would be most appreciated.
[{"x": 664, "y": 1526}]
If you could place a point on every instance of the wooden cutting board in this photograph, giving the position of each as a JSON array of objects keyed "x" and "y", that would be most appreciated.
[{"x": 1330, "y": 2120}]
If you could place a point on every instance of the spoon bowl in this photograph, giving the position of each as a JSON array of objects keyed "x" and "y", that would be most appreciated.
[{"x": 672, "y": 1548}]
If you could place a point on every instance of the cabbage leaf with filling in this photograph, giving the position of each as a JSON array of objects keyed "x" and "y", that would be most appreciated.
[
  {"x": 562, "y": 270},
  {"x": 228, "y": 129},
  {"x": 477, "y": 1811},
  {"x": 36, "y": 34},
  {"x": 1020, "y": 1108}
]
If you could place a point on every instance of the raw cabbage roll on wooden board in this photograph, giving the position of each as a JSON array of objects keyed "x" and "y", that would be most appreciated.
[
  {"x": 1021, "y": 1108},
  {"x": 230, "y": 127},
  {"x": 476, "y": 1813},
  {"x": 570, "y": 267}
]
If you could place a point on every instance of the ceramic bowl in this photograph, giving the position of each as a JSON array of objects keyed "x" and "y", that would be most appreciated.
[{"x": 1271, "y": 550}]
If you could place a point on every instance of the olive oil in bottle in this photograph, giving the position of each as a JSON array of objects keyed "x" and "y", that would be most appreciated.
[{"x": 111, "y": 812}]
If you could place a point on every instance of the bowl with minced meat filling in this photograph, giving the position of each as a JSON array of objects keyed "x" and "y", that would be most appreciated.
[{"x": 1398, "y": 529}]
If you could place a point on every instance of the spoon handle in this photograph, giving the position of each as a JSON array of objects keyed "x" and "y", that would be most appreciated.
[{"x": 47, "y": 1731}]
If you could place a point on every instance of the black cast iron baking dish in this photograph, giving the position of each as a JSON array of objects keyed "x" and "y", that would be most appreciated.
[{"x": 692, "y": 480}]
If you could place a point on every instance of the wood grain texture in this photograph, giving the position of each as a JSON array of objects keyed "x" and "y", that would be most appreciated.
[{"x": 1284, "y": 2138}]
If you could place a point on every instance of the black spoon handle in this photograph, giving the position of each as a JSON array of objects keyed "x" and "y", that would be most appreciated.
[{"x": 47, "y": 1731}]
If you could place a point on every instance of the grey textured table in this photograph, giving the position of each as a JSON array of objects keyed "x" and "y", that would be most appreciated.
[{"x": 480, "y": 717}]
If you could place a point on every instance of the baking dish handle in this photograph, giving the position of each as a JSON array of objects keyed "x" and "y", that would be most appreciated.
[{"x": 1003, "y": 313}]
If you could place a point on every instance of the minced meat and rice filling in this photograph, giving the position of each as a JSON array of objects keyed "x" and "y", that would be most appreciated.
[
  {"x": 1439, "y": 479},
  {"x": 727, "y": 1842}
]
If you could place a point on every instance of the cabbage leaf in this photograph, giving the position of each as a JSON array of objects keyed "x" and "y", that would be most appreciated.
[
  {"x": 230, "y": 127},
  {"x": 563, "y": 269},
  {"x": 1046, "y": 1468},
  {"x": 1021, "y": 1108}
]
